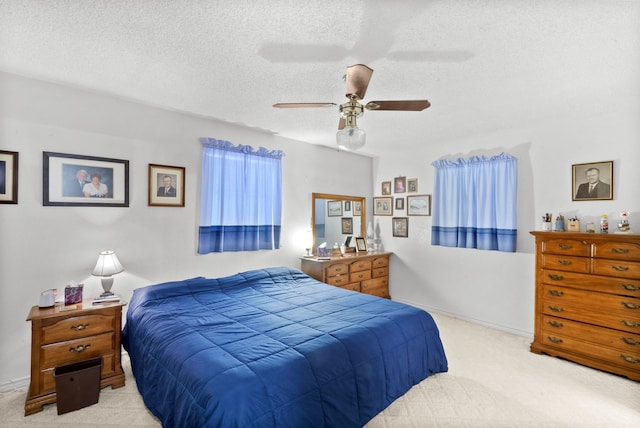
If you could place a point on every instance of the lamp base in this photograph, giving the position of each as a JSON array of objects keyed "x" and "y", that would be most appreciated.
[{"x": 107, "y": 294}]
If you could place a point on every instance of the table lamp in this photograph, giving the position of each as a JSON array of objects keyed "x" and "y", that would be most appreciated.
[{"x": 107, "y": 265}]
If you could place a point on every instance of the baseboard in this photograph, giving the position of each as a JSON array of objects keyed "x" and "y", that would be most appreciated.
[{"x": 12, "y": 385}]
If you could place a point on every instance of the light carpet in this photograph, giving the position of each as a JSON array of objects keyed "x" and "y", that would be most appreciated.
[{"x": 493, "y": 381}]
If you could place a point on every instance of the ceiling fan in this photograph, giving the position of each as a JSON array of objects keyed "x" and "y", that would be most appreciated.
[{"x": 349, "y": 136}]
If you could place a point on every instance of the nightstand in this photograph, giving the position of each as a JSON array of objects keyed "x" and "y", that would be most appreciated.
[{"x": 62, "y": 335}]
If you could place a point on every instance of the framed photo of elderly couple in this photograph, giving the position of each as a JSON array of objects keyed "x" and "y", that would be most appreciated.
[
  {"x": 8, "y": 177},
  {"x": 79, "y": 180}
]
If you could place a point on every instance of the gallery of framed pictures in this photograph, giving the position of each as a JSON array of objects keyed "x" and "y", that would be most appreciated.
[
  {"x": 8, "y": 177},
  {"x": 166, "y": 185},
  {"x": 592, "y": 181},
  {"x": 80, "y": 180}
]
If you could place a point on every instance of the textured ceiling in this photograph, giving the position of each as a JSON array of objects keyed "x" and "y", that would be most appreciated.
[{"x": 483, "y": 64}]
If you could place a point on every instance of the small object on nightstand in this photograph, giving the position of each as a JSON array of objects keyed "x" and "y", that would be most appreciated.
[
  {"x": 106, "y": 299},
  {"x": 73, "y": 293}
]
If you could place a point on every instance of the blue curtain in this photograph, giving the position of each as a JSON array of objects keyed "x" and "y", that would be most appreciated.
[
  {"x": 241, "y": 200},
  {"x": 474, "y": 203}
]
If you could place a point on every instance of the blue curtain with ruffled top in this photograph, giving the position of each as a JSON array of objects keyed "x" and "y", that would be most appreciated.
[
  {"x": 241, "y": 199},
  {"x": 474, "y": 203}
]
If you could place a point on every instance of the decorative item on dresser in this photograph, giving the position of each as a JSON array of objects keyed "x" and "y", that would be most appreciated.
[
  {"x": 62, "y": 335},
  {"x": 588, "y": 300},
  {"x": 365, "y": 273}
]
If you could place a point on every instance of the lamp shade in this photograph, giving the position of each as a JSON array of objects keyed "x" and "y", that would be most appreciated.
[
  {"x": 107, "y": 265},
  {"x": 350, "y": 138}
]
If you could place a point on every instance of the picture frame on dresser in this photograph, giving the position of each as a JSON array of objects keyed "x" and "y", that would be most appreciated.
[
  {"x": 8, "y": 177},
  {"x": 166, "y": 186},
  {"x": 361, "y": 244},
  {"x": 84, "y": 181},
  {"x": 592, "y": 181}
]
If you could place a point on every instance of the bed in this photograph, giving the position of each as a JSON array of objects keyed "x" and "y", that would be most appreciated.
[{"x": 274, "y": 348}]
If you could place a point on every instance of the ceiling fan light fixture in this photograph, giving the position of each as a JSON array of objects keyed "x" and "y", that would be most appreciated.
[{"x": 351, "y": 138}]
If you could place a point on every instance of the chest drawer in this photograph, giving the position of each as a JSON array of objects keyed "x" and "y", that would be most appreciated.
[
  {"x": 566, "y": 310},
  {"x": 618, "y": 268},
  {"x": 377, "y": 287},
  {"x": 380, "y": 262},
  {"x": 337, "y": 269},
  {"x": 76, "y": 327},
  {"x": 360, "y": 266},
  {"x": 61, "y": 353},
  {"x": 339, "y": 281},
  {"x": 380, "y": 272},
  {"x": 605, "y": 284},
  {"x": 567, "y": 247},
  {"x": 566, "y": 263},
  {"x": 360, "y": 276},
  {"x": 617, "y": 250},
  {"x": 609, "y": 303}
]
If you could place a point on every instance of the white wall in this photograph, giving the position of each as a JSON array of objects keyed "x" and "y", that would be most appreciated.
[
  {"x": 599, "y": 123},
  {"x": 45, "y": 247}
]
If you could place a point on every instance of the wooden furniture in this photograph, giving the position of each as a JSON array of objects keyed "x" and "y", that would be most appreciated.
[
  {"x": 366, "y": 273},
  {"x": 588, "y": 299},
  {"x": 62, "y": 335}
]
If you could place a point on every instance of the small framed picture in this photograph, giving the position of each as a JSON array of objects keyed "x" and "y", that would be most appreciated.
[
  {"x": 78, "y": 180},
  {"x": 361, "y": 245},
  {"x": 412, "y": 185},
  {"x": 386, "y": 187},
  {"x": 347, "y": 206},
  {"x": 400, "y": 184},
  {"x": 383, "y": 205},
  {"x": 357, "y": 208},
  {"x": 166, "y": 186},
  {"x": 334, "y": 208},
  {"x": 400, "y": 227},
  {"x": 592, "y": 181},
  {"x": 399, "y": 203},
  {"x": 8, "y": 177},
  {"x": 419, "y": 205},
  {"x": 347, "y": 225}
]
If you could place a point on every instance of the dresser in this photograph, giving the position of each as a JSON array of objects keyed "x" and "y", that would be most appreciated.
[
  {"x": 365, "y": 273},
  {"x": 587, "y": 306},
  {"x": 62, "y": 335}
]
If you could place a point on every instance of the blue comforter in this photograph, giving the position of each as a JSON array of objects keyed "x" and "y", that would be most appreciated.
[{"x": 274, "y": 348}]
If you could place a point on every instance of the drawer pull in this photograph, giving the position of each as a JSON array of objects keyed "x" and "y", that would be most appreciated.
[
  {"x": 630, "y": 323},
  {"x": 630, "y": 305},
  {"x": 338, "y": 269},
  {"x": 557, "y": 324},
  {"x": 630, "y": 287},
  {"x": 564, "y": 246},
  {"x": 556, "y": 293},
  {"x": 556, "y": 277},
  {"x": 620, "y": 268},
  {"x": 565, "y": 262},
  {"x": 629, "y": 359},
  {"x": 80, "y": 348},
  {"x": 79, "y": 327},
  {"x": 554, "y": 339},
  {"x": 630, "y": 341},
  {"x": 556, "y": 308},
  {"x": 620, "y": 250}
]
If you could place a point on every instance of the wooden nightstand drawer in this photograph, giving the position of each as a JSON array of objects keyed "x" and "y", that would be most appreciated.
[
  {"x": 62, "y": 353},
  {"x": 76, "y": 327}
]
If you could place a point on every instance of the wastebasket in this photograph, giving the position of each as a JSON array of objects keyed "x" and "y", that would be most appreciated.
[{"x": 77, "y": 384}]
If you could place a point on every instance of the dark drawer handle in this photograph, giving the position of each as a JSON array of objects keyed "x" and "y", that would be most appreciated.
[
  {"x": 79, "y": 327},
  {"x": 556, "y": 308},
  {"x": 556, "y": 293},
  {"x": 630, "y": 287},
  {"x": 619, "y": 268},
  {"x": 630, "y": 305},
  {"x": 620, "y": 250},
  {"x": 556, "y": 277},
  {"x": 629, "y": 359},
  {"x": 565, "y": 246},
  {"x": 554, "y": 339},
  {"x": 565, "y": 262},
  {"x": 557, "y": 324},
  {"x": 630, "y": 341},
  {"x": 630, "y": 323},
  {"x": 80, "y": 348},
  {"x": 338, "y": 269}
]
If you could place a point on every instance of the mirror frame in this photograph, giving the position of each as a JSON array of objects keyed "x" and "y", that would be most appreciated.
[{"x": 329, "y": 196}]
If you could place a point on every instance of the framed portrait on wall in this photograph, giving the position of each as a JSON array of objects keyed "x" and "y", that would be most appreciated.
[
  {"x": 400, "y": 184},
  {"x": 592, "y": 181},
  {"x": 347, "y": 225},
  {"x": 412, "y": 185},
  {"x": 419, "y": 205},
  {"x": 383, "y": 205},
  {"x": 400, "y": 227},
  {"x": 8, "y": 177},
  {"x": 166, "y": 186},
  {"x": 386, "y": 187},
  {"x": 79, "y": 180},
  {"x": 334, "y": 209}
]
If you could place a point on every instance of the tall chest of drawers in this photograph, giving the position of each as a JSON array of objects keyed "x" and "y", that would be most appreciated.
[
  {"x": 587, "y": 306},
  {"x": 63, "y": 335},
  {"x": 365, "y": 273}
]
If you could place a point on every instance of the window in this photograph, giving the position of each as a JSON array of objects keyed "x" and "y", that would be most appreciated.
[
  {"x": 241, "y": 200},
  {"x": 474, "y": 203}
]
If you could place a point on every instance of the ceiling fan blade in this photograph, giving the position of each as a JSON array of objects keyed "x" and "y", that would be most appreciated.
[
  {"x": 404, "y": 105},
  {"x": 358, "y": 77},
  {"x": 302, "y": 105},
  {"x": 342, "y": 123}
]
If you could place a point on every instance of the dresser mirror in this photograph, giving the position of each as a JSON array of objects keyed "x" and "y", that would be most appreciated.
[{"x": 334, "y": 218}]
